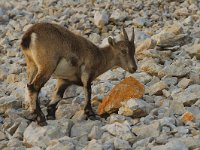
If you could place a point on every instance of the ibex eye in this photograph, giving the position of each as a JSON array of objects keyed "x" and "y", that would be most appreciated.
[{"x": 124, "y": 51}]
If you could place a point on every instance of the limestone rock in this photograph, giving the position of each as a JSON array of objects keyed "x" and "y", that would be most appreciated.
[
  {"x": 121, "y": 144},
  {"x": 144, "y": 131},
  {"x": 118, "y": 15},
  {"x": 9, "y": 102},
  {"x": 126, "y": 89},
  {"x": 150, "y": 66},
  {"x": 135, "y": 108},
  {"x": 36, "y": 135},
  {"x": 157, "y": 88},
  {"x": 122, "y": 131},
  {"x": 94, "y": 145},
  {"x": 194, "y": 50},
  {"x": 66, "y": 110},
  {"x": 101, "y": 18},
  {"x": 188, "y": 96}
]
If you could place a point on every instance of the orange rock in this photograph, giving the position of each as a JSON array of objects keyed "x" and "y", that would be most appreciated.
[
  {"x": 126, "y": 89},
  {"x": 187, "y": 116}
]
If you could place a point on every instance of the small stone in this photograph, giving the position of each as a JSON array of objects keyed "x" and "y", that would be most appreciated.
[
  {"x": 181, "y": 12},
  {"x": 118, "y": 15},
  {"x": 139, "y": 22},
  {"x": 12, "y": 78},
  {"x": 147, "y": 44},
  {"x": 150, "y": 66},
  {"x": 178, "y": 68},
  {"x": 176, "y": 108},
  {"x": 14, "y": 142},
  {"x": 83, "y": 128},
  {"x": 194, "y": 50},
  {"x": 135, "y": 108},
  {"x": 62, "y": 143},
  {"x": 9, "y": 102},
  {"x": 116, "y": 118},
  {"x": 95, "y": 133},
  {"x": 126, "y": 89},
  {"x": 79, "y": 116},
  {"x": 94, "y": 145},
  {"x": 2, "y": 136},
  {"x": 141, "y": 76},
  {"x": 157, "y": 88},
  {"x": 101, "y": 18},
  {"x": 36, "y": 135},
  {"x": 66, "y": 110},
  {"x": 172, "y": 145},
  {"x": 121, "y": 144},
  {"x": 144, "y": 131},
  {"x": 184, "y": 83},
  {"x": 187, "y": 116},
  {"x": 95, "y": 38},
  {"x": 122, "y": 131},
  {"x": 188, "y": 96}
]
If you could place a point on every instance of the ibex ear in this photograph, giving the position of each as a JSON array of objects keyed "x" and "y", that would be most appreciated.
[
  {"x": 133, "y": 37},
  {"x": 125, "y": 34},
  {"x": 111, "y": 41}
]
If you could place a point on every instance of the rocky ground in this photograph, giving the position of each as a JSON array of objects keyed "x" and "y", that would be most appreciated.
[{"x": 168, "y": 51}]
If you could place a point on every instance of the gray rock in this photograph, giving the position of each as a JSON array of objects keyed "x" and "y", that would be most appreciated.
[
  {"x": 194, "y": 50},
  {"x": 135, "y": 108},
  {"x": 121, "y": 144},
  {"x": 139, "y": 22},
  {"x": 118, "y": 15},
  {"x": 35, "y": 135},
  {"x": 100, "y": 18},
  {"x": 108, "y": 145},
  {"x": 66, "y": 110},
  {"x": 156, "y": 89},
  {"x": 141, "y": 76},
  {"x": 95, "y": 133},
  {"x": 120, "y": 130},
  {"x": 9, "y": 102},
  {"x": 94, "y": 145},
  {"x": 83, "y": 128},
  {"x": 143, "y": 131},
  {"x": 178, "y": 68},
  {"x": 14, "y": 142},
  {"x": 188, "y": 96},
  {"x": 191, "y": 142},
  {"x": 172, "y": 145},
  {"x": 176, "y": 108},
  {"x": 116, "y": 118},
  {"x": 150, "y": 66},
  {"x": 2, "y": 136},
  {"x": 95, "y": 38},
  {"x": 184, "y": 83},
  {"x": 34, "y": 148},
  {"x": 62, "y": 143}
]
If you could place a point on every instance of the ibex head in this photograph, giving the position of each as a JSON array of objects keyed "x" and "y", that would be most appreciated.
[{"x": 125, "y": 51}]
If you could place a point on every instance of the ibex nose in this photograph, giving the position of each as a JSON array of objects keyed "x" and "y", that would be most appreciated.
[{"x": 132, "y": 69}]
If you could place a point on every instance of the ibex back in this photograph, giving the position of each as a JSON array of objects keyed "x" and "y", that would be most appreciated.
[{"x": 52, "y": 50}]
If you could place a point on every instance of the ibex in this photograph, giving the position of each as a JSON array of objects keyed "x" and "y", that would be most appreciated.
[{"x": 52, "y": 50}]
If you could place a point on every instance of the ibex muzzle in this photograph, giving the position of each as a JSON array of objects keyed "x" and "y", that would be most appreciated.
[{"x": 51, "y": 50}]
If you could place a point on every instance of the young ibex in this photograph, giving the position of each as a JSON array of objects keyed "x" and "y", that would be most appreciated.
[{"x": 51, "y": 50}]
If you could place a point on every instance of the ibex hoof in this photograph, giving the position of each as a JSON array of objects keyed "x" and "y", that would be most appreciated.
[
  {"x": 91, "y": 115},
  {"x": 44, "y": 123},
  {"x": 41, "y": 121},
  {"x": 50, "y": 117}
]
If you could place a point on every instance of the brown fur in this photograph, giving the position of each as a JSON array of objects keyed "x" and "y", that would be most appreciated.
[{"x": 50, "y": 49}]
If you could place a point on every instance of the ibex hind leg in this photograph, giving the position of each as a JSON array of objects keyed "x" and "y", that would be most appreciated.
[
  {"x": 31, "y": 73},
  {"x": 42, "y": 76},
  {"x": 61, "y": 86}
]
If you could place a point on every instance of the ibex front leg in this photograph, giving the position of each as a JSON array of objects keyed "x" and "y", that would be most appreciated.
[{"x": 87, "y": 91}]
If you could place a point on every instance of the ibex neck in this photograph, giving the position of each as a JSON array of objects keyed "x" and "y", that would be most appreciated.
[{"x": 108, "y": 60}]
